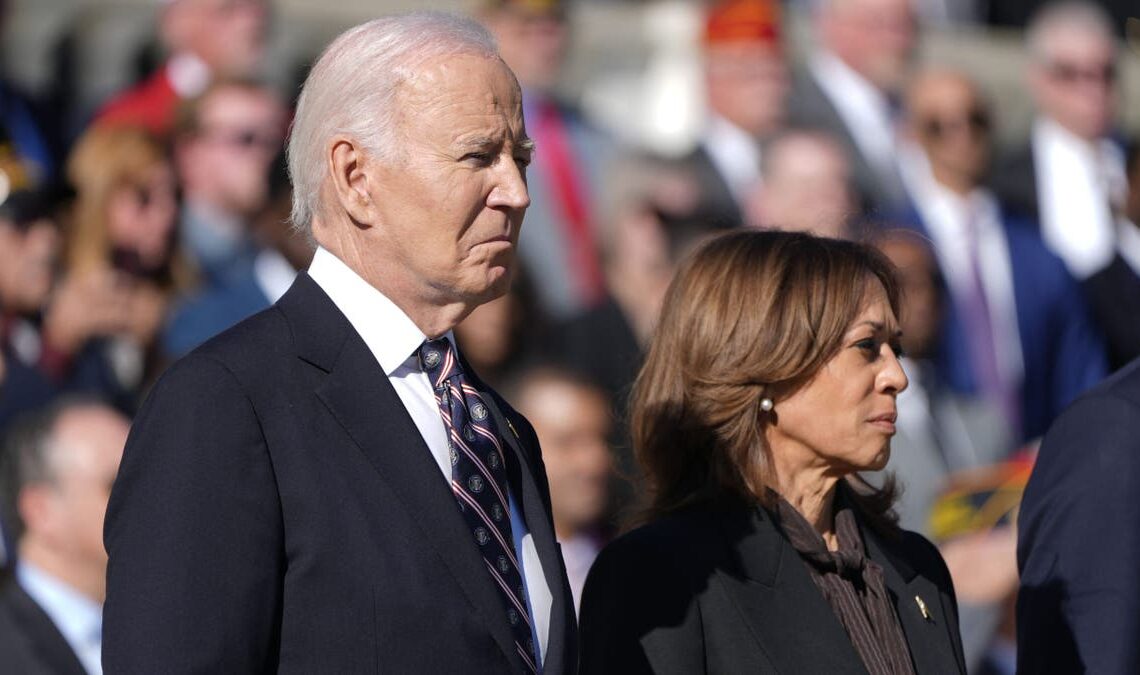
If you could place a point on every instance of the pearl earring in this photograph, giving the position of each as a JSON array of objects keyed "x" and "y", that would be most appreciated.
[{"x": 766, "y": 404}]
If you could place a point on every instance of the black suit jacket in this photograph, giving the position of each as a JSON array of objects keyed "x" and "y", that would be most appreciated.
[
  {"x": 30, "y": 644},
  {"x": 719, "y": 589},
  {"x": 1078, "y": 546},
  {"x": 278, "y": 511},
  {"x": 1014, "y": 181}
]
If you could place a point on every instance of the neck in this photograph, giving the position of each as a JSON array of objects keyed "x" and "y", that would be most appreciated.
[
  {"x": 958, "y": 182},
  {"x": 811, "y": 491},
  {"x": 434, "y": 316},
  {"x": 88, "y": 581}
]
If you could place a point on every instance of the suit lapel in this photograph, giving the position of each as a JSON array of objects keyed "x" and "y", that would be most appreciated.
[
  {"x": 918, "y": 604},
  {"x": 357, "y": 394},
  {"x": 785, "y": 611},
  {"x": 45, "y": 638}
]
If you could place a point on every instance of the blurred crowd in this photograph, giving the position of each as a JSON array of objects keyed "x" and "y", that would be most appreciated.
[{"x": 161, "y": 220}]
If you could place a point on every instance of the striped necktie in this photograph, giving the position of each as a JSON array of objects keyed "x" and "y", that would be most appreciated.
[{"x": 479, "y": 482}]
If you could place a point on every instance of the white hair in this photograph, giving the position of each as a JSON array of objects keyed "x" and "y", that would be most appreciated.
[
  {"x": 1065, "y": 15},
  {"x": 351, "y": 90}
]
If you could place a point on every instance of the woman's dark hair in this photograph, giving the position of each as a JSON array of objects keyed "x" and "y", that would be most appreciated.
[{"x": 748, "y": 314}]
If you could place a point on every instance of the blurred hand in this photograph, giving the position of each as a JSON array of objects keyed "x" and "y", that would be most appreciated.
[
  {"x": 87, "y": 305},
  {"x": 146, "y": 311},
  {"x": 984, "y": 565}
]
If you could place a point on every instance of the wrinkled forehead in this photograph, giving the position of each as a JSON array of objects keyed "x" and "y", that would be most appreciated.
[{"x": 455, "y": 88}]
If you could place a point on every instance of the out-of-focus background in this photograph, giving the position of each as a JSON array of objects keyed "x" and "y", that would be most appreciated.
[{"x": 984, "y": 146}]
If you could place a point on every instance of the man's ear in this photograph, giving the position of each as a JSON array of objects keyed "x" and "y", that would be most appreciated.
[{"x": 352, "y": 179}]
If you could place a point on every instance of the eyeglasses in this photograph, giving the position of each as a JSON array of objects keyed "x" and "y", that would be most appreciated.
[
  {"x": 1072, "y": 73},
  {"x": 975, "y": 120}
]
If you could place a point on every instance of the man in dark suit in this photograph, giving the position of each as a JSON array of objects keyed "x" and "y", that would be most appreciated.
[
  {"x": 1079, "y": 541},
  {"x": 1017, "y": 331},
  {"x": 327, "y": 487},
  {"x": 57, "y": 469},
  {"x": 852, "y": 85},
  {"x": 1070, "y": 177},
  {"x": 746, "y": 82}
]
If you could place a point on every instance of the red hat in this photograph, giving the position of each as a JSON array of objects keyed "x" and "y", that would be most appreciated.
[{"x": 742, "y": 21}]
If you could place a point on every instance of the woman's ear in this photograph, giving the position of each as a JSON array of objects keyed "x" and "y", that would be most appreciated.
[{"x": 352, "y": 179}]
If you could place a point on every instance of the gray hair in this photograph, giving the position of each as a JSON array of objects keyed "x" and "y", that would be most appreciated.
[
  {"x": 1068, "y": 15},
  {"x": 352, "y": 89}
]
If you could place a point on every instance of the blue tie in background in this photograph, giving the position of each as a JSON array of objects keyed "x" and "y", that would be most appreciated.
[{"x": 479, "y": 482}]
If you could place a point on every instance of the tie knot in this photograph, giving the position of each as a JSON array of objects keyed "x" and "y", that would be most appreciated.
[{"x": 438, "y": 360}]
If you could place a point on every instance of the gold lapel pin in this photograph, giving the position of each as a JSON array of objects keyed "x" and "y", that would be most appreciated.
[
  {"x": 512, "y": 427},
  {"x": 922, "y": 608}
]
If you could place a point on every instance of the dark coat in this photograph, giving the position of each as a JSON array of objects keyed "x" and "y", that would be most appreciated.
[
  {"x": 30, "y": 644},
  {"x": 1078, "y": 543},
  {"x": 278, "y": 511},
  {"x": 720, "y": 590}
]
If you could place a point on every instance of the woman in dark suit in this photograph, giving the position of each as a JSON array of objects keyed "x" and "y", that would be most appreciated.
[{"x": 770, "y": 383}]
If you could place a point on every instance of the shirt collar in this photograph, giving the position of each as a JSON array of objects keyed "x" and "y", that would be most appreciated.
[
  {"x": 389, "y": 333},
  {"x": 78, "y": 617}
]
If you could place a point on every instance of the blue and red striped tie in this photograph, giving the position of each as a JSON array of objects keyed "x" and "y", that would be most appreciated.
[{"x": 479, "y": 482}]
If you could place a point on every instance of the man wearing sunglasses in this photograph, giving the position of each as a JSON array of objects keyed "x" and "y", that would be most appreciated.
[
  {"x": 1017, "y": 332},
  {"x": 1070, "y": 176}
]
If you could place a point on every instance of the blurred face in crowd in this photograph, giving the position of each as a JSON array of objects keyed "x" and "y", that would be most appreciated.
[
  {"x": 876, "y": 38},
  {"x": 532, "y": 42},
  {"x": 949, "y": 120},
  {"x": 229, "y": 35},
  {"x": 225, "y": 162},
  {"x": 843, "y": 419},
  {"x": 441, "y": 221},
  {"x": 747, "y": 82},
  {"x": 64, "y": 517},
  {"x": 917, "y": 273},
  {"x": 1073, "y": 79},
  {"x": 141, "y": 216},
  {"x": 28, "y": 257},
  {"x": 806, "y": 186},
  {"x": 572, "y": 421}
]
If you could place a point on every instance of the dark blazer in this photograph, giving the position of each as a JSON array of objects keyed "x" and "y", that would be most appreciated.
[
  {"x": 720, "y": 590},
  {"x": 716, "y": 205},
  {"x": 1013, "y": 178},
  {"x": 1078, "y": 543},
  {"x": 30, "y": 644},
  {"x": 1061, "y": 348},
  {"x": 278, "y": 511}
]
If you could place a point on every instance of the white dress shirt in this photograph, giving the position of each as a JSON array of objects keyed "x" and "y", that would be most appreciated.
[
  {"x": 78, "y": 618},
  {"x": 1076, "y": 183},
  {"x": 394, "y": 339},
  {"x": 945, "y": 215},
  {"x": 864, "y": 109}
]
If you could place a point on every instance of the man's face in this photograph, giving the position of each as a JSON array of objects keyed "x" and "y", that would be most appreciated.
[
  {"x": 1074, "y": 81},
  {"x": 876, "y": 38},
  {"x": 951, "y": 123},
  {"x": 747, "y": 83},
  {"x": 532, "y": 43},
  {"x": 450, "y": 206},
  {"x": 572, "y": 422},
  {"x": 807, "y": 187},
  {"x": 88, "y": 446},
  {"x": 229, "y": 35},
  {"x": 226, "y": 162}
]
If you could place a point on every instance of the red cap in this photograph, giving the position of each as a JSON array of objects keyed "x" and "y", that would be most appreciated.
[{"x": 743, "y": 21}]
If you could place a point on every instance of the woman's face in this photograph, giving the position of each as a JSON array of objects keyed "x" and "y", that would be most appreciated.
[
  {"x": 141, "y": 216},
  {"x": 843, "y": 419}
]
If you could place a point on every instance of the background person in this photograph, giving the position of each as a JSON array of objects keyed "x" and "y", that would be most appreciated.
[
  {"x": 57, "y": 470},
  {"x": 762, "y": 550},
  {"x": 338, "y": 489}
]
